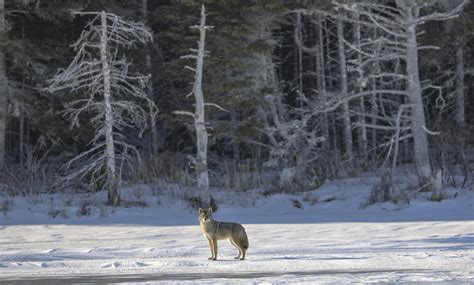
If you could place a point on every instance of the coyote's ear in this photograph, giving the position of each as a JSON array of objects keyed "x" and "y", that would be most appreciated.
[
  {"x": 201, "y": 210},
  {"x": 209, "y": 210}
]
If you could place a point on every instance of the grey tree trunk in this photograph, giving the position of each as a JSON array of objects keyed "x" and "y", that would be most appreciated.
[
  {"x": 299, "y": 27},
  {"x": 460, "y": 115},
  {"x": 362, "y": 142},
  {"x": 422, "y": 158},
  {"x": 437, "y": 194},
  {"x": 3, "y": 86},
  {"x": 373, "y": 99},
  {"x": 331, "y": 120},
  {"x": 112, "y": 182},
  {"x": 344, "y": 93},
  {"x": 21, "y": 132},
  {"x": 199, "y": 119},
  {"x": 235, "y": 144},
  {"x": 321, "y": 79},
  {"x": 150, "y": 91}
]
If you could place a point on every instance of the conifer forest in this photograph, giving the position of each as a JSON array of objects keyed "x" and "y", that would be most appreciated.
[{"x": 234, "y": 94}]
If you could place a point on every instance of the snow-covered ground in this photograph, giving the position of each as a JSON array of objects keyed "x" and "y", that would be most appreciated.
[{"x": 332, "y": 241}]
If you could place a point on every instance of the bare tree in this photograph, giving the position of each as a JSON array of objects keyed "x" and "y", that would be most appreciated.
[
  {"x": 293, "y": 141},
  {"x": 199, "y": 114},
  {"x": 397, "y": 28},
  {"x": 112, "y": 91}
]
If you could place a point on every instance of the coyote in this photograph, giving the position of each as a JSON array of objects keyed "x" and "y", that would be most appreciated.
[{"x": 214, "y": 230}]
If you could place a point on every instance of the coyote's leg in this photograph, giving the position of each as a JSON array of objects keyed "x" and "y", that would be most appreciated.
[
  {"x": 232, "y": 241},
  {"x": 243, "y": 254},
  {"x": 214, "y": 243},
  {"x": 211, "y": 248}
]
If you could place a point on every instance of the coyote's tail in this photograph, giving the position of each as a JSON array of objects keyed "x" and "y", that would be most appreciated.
[{"x": 245, "y": 240}]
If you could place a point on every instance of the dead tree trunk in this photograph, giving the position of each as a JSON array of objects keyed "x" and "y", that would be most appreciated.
[
  {"x": 400, "y": 25},
  {"x": 418, "y": 126},
  {"x": 112, "y": 182},
  {"x": 107, "y": 92},
  {"x": 321, "y": 79},
  {"x": 199, "y": 116}
]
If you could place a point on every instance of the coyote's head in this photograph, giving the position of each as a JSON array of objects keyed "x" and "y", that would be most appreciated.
[{"x": 205, "y": 215}]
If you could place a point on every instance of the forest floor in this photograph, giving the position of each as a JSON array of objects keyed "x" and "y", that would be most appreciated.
[{"x": 331, "y": 240}]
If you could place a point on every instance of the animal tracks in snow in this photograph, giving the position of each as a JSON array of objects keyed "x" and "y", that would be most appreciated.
[
  {"x": 114, "y": 265},
  {"x": 128, "y": 264}
]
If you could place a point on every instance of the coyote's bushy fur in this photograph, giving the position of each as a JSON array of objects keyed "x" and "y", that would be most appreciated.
[{"x": 214, "y": 230}]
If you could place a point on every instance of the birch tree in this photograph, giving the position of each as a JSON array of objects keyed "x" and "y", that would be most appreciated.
[{"x": 113, "y": 93}]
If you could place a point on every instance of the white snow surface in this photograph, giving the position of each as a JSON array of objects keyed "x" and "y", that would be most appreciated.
[{"x": 329, "y": 242}]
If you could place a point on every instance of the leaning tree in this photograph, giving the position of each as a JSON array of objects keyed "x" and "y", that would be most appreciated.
[{"x": 108, "y": 93}]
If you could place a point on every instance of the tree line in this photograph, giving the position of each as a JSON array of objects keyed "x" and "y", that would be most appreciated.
[{"x": 310, "y": 90}]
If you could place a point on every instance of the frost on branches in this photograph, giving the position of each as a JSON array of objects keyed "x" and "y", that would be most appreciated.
[
  {"x": 400, "y": 89},
  {"x": 108, "y": 94},
  {"x": 200, "y": 161}
]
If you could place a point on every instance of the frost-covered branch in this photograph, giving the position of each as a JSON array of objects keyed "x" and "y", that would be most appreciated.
[{"x": 109, "y": 93}]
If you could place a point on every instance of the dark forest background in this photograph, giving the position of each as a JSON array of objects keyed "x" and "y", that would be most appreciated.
[{"x": 274, "y": 66}]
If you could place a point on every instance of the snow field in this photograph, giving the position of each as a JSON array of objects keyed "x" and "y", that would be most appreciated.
[{"x": 328, "y": 242}]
